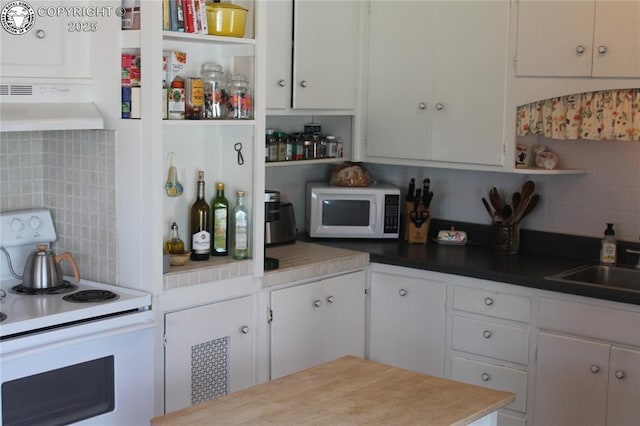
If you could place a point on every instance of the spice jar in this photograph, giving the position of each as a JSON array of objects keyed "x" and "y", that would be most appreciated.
[
  {"x": 240, "y": 99},
  {"x": 215, "y": 92},
  {"x": 194, "y": 93}
]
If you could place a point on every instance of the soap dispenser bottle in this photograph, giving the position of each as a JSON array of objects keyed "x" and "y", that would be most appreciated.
[{"x": 608, "y": 248}]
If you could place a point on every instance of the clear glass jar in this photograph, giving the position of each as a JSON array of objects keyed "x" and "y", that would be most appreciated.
[
  {"x": 240, "y": 99},
  {"x": 271, "y": 146},
  {"x": 215, "y": 92},
  {"x": 332, "y": 146}
]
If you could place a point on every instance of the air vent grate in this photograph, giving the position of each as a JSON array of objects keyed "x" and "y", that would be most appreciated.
[
  {"x": 4, "y": 90},
  {"x": 21, "y": 90}
]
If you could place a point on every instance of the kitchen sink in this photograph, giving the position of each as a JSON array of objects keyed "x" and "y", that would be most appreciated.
[{"x": 602, "y": 275}]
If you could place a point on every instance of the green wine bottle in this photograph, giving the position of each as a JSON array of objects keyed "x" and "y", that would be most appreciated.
[
  {"x": 220, "y": 206},
  {"x": 200, "y": 224},
  {"x": 240, "y": 229}
]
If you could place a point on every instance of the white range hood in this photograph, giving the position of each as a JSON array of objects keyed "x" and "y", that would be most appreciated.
[{"x": 29, "y": 107}]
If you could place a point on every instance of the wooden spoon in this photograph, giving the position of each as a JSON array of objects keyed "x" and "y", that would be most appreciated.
[
  {"x": 488, "y": 207},
  {"x": 533, "y": 202},
  {"x": 494, "y": 197},
  {"x": 515, "y": 200},
  {"x": 507, "y": 211},
  {"x": 527, "y": 190}
]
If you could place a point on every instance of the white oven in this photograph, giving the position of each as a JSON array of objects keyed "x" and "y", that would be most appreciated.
[{"x": 78, "y": 355}]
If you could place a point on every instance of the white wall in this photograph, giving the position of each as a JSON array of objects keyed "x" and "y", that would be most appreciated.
[{"x": 570, "y": 204}]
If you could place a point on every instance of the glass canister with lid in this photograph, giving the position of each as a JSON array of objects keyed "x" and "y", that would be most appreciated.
[
  {"x": 215, "y": 92},
  {"x": 240, "y": 99}
]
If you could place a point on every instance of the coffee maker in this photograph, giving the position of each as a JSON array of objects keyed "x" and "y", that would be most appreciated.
[{"x": 271, "y": 214}]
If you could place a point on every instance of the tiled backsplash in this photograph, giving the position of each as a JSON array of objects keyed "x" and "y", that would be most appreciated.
[{"x": 72, "y": 173}]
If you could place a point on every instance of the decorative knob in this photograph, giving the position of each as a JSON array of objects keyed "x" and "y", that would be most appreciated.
[
  {"x": 620, "y": 374},
  {"x": 488, "y": 301},
  {"x": 486, "y": 334},
  {"x": 331, "y": 299},
  {"x": 602, "y": 49},
  {"x": 317, "y": 303},
  {"x": 244, "y": 329},
  {"x": 439, "y": 106},
  {"x": 485, "y": 377},
  {"x": 402, "y": 292},
  {"x": 16, "y": 225},
  {"x": 41, "y": 34},
  {"x": 422, "y": 105},
  {"x": 580, "y": 49},
  {"x": 282, "y": 83},
  {"x": 595, "y": 369},
  {"x": 303, "y": 83}
]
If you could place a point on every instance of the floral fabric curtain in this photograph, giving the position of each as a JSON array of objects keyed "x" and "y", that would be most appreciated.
[{"x": 604, "y": 115}]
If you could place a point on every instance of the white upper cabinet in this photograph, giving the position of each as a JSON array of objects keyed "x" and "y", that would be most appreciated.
[
  {"x": 436, "y": 81},
  {"x": 579, "y": 38},
  {"x": 318, "y": 68}
]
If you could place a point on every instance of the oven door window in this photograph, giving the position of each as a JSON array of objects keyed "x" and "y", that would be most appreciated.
[
  {"x": 60, "y": 396},
  {"x": 345, "y": 212}
]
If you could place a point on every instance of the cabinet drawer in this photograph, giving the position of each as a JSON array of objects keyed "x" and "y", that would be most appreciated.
[
  {"x": 490, "y": 339},
  {"x": 498, "y": 305},
  {"x": 595, "y": 321},
  {"x": 494, "y": 377}
]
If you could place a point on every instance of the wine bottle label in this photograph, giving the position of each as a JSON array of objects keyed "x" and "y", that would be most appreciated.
[
  {"x": 241, "y": 235},
  {"x": 201, "y": 242},
  {"x": 220, "y": 229}
]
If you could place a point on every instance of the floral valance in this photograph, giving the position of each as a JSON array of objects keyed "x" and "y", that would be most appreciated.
[{"x": 603, "y": 115}]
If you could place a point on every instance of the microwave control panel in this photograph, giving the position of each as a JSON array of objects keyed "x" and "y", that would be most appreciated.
[{"x": 391, "y": 214}]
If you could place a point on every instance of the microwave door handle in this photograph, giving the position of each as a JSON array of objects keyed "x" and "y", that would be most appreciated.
[{"x": 374, "y": 210}]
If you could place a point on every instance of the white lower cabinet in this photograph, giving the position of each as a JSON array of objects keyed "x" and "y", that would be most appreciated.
[
  {"x": 209, "y": 352},
  {"x": 317, "y": 322},
  {"x": 407, "y": 321},
  {"x": 585, "y": 372}
]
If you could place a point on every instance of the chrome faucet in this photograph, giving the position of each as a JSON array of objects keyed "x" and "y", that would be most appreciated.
[{"x": 635, "y": 252}]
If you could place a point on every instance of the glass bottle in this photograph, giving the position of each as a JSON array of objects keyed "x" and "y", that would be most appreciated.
[
  {"x": 240, "y": 229},
  {"x": 240, "y": 99},
  {"x": 215, "y": 92},
  {"x": 220, "y": 206},
  {"x": 175, "y": 245},
  {"x": 272, "y": 145},
  {"x": 200, "y": 224}
]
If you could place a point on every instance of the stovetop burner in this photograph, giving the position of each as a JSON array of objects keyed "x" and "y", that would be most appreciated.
[
  {"x": 65, "y": 287},
  {"x": 89, "y": 296},
  {"x": 3, "y": 316}
]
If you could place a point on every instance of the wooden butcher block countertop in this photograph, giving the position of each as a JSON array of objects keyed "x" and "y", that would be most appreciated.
[{"x": 349, "y": 390}]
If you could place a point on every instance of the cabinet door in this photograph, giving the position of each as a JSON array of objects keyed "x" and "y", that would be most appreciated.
[
  {"x": 399, "y": 104},
  {"x": 325, "y": 54},
  {"x": 208, "y": 352},
  {"x": 469, "y": 90},
  {"x": 296, "y": 328},
  {"x": 551, "y": 35},
  {"x": 279, "y": 45},
  {"x": 344, "y": 316},
  {"x": 407, "y": 325},
  {"x": 571, "y": 381},
  {"x": 624, "y": 387},
  {"x": 617, "y": 30}
]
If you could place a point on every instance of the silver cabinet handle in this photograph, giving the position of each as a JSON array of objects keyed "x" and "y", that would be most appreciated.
[
  {"x": 595, "y": 369},
  {"x": 580, "y": 49},
  {"x": 485, "y": 377},
  {"x": 422, "y": 105},
  {"x": 488, "y": 301},
  {"x": 317, "y": 303},
  {"x": 402, "y": 292},
  {"x": 486, "y": 334},
  {"x": 439, "y": 106},
  {"x": 303, "y": 83},
  {"x": 282, "y": 83},
  {"x": 602, "y": 49},
  {"x": 41, "y": 34},
  {"x": 244, "y": 329},
  {"x": 620, "y": 374},
  {"x": 331, "y": 299}
]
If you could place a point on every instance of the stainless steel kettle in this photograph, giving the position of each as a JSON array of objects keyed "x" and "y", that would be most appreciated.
[{"x": 42, "y": 269}]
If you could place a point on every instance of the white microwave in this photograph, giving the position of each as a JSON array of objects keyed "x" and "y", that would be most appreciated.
[{"x": 352, "y": 212}]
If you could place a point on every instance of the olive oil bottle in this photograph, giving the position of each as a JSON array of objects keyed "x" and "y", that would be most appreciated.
[
  {"x": 175, "y": 245},
  {"x": 200, "y": 224},
  {"x": 240, "y": 229},
  {"x": 220, "y": 206}
]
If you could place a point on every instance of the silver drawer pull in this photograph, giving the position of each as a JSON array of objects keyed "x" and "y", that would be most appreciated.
[
  {"x": 402, "y": 292},
  {"x": 485, "y": 377},
  {"x": 486, "y": 334},
  {"x": 282, "y": 83},
  {"x": 620, "y": 374},
  {"x": 331, "y": 299},
  {"x": 595, "y": 369},
  {"x": 488, "y": 301},
  {"x": 244, "y": 329},
  {"x": 317, "y": 303}
]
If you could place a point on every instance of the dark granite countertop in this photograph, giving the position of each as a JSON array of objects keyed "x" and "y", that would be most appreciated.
[{"x": 541, "y": 254}]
